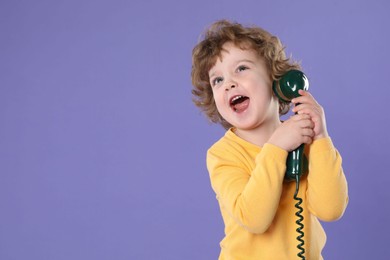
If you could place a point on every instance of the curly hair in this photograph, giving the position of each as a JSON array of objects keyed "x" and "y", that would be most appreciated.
[{"x": 208, "y": 50}]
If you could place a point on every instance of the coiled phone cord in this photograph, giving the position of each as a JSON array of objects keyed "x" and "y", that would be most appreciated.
[{"x": 299, "y": 221}]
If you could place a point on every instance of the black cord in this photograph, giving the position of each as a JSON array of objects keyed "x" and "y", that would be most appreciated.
[{"x": 299, "y": 221}]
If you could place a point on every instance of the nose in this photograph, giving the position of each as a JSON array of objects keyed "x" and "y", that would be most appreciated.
[{"x": 230, "y": 85}]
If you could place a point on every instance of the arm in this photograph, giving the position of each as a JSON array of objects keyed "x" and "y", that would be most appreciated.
[
  {"x": 327, "y": 191},
  {"x": 250, "y": 197}
]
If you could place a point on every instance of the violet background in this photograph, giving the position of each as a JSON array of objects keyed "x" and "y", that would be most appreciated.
[{"x": 102, "y": 153}]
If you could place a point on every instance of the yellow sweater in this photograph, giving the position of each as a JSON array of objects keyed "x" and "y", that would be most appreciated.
[{"x": 258, "y": 207}]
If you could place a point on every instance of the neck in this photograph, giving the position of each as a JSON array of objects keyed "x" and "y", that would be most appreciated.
[{"x": 261, "y": 134}]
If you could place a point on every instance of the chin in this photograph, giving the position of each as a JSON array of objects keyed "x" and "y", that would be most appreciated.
[{"x": 245, "y": 125}]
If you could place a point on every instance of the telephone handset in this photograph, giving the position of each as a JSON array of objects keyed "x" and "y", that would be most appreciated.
[{"x": 286, "y": 88}]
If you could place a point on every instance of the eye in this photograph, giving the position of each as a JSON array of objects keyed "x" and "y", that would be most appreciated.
[
  {"x": 242, "y": 68},
  {"x": 216, "y": 81}
]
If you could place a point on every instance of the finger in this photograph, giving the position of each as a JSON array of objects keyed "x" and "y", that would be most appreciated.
[
  {"x": 305, "y": 97},
  {"x": 301, "y": 107},
  {"x": 308, "y": 132},
  {"x": 307, "y": 140},
  {"x": 299, "y": 117},
  {"x": 307, "y": 123},
  {"x": 303, "y": 100},
  {"x": 303, "y": 92},
  {"x": 313, "y": 111}
]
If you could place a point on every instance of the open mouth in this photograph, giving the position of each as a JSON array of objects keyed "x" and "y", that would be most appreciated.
[{"x": 239, "y": 103}]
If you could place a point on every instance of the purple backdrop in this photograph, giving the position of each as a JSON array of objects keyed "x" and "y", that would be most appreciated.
[{"x": 102, "y": 153}]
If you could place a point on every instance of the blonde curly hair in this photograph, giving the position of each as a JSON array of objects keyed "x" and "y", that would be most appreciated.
[{"x": 208, "y": 50}]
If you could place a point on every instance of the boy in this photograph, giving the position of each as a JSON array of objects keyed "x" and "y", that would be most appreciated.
[{"x": 233, "y": 68}]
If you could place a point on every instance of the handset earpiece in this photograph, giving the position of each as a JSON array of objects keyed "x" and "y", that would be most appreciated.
[{"x": 286, "y": 88}]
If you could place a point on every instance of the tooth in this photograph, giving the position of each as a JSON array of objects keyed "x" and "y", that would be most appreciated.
[{"x": 237, "y": 97}]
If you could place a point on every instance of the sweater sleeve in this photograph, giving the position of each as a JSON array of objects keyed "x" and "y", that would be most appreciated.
[
  {"x": 251, "y": 197},
  {"x": 327, "y": 191}
]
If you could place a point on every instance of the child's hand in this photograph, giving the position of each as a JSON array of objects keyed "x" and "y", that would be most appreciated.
[
  {"x": 308, "y": 105},
  {"x": 298, "y": 129}
]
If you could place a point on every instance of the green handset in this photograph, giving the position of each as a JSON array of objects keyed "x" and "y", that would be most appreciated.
[{"x": 286, "y": 88}]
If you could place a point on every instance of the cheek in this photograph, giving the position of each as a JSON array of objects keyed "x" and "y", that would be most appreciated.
[
  {"x": 218, "y": 99},
  {"x": 266, "y": 97}
]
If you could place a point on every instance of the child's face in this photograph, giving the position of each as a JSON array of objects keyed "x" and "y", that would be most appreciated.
[{"x": 242, "y": 90}]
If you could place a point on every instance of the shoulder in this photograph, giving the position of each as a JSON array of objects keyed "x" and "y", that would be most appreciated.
[
  {"x": 233, "y": 151},
  {"x": 220, "y": 147},
  {"x": 230, "y": 144},
  {"x": 227, "y": 154}
]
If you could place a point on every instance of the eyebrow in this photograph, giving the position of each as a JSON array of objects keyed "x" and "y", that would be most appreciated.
[
  {"x": 211, "y": 75},
  {"x": 245, "y": 60}
]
